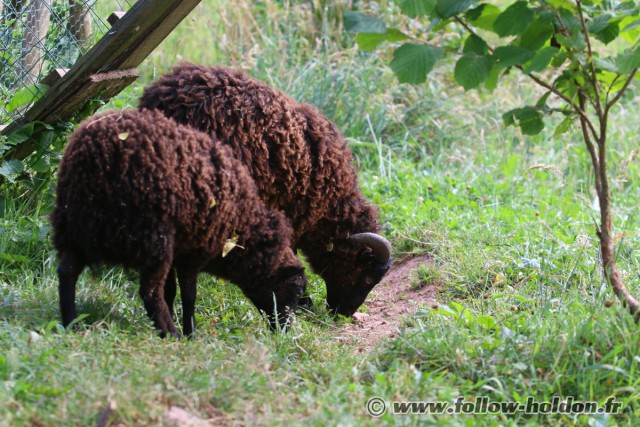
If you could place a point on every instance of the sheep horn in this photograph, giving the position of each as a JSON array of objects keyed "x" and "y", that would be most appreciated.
[{"x": 381, "y": 246}]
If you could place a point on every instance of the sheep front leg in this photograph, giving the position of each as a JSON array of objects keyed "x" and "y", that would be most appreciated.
[
  {"x": 170, "y": 289},
  {"x": 188, "y": 280},
  {"x": 69, "y": 269},
  {"x": 152, "y": 281}
]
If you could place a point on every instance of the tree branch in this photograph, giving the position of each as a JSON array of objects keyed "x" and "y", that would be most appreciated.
[
  {"x": 594, "y": 80},
  {"x": 595, "y": 159},
  {"x": 579, "y": 110},
  {"x": 470, "y": 30},
  {"x": 621, "y": 91}
]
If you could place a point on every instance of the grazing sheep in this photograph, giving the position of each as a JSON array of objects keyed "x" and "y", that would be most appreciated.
[
  {"x": 301, "y": 164},
  {"x": 139, "y": 190}
]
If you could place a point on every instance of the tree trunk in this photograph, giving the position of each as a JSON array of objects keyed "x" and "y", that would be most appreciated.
[{"x": 607, "y": 243}]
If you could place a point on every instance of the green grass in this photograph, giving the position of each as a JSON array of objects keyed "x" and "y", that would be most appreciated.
[{"x": 509, "y": 222}]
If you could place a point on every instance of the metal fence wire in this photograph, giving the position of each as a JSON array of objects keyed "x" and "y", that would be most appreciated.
[{"x": 39, "y": 36}]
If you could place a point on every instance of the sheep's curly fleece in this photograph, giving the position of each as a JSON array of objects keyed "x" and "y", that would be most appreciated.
[
  {"x": 300, "y": 161},
  {"x": 137, "y": 189}
]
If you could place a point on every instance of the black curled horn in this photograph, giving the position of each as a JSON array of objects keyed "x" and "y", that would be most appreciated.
[{"x": 380, "y": 246}]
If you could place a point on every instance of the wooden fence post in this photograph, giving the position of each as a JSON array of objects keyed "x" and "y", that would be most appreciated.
[
  {"x": 80, "y": 21},
  {"x": 35, "y": 33}
]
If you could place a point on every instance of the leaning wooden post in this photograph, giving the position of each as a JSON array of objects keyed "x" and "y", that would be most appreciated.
[
  {"x": 35, "y": 33},
  {"x": 107, "y": 68}
]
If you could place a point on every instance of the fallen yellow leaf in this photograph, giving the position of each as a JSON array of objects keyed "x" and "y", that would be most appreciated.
[
  {"x": 123, "y": 136},
  {"x": 499, "y": 279},
  {"x": 229, "y": 245}
]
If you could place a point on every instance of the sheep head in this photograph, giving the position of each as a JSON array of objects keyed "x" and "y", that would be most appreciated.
[
  {"x": 281, "y": 299},
  {"x": 351, "y": 267}
]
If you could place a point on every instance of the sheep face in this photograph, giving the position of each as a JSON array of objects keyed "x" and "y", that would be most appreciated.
[
  {"x": 279, "y": 301},
  {"x": 350, "y": 273}
]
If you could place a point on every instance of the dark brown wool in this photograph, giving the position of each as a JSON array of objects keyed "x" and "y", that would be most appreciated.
[
  {"x": 299, "y": 160},
  {"x": 139, "y": 190}
]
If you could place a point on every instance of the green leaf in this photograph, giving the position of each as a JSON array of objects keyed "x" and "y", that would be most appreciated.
[
  {"x": 603, "y": 28},
  {"x": 630, "y": 23},
  {"x": 369, "y": 41},
  {"x": 566, "y": 84},
  {"x": 540, "y": 60},
  {"x": 630, "y": 28},
  {"x": 575, "y": 42},
  {"x": 487, "y": 322},
  {"x": 625, "y": 8},
  {"x": 471, "y": 70},
  {"x": 483, "y": 16},
  {"x": 627, "y": 61},
  {"x": 559, "y": 59},
  {"x": 449, "y": 8},
  {"x": 536, "y": 35},
  {"x": 613, "y": 81},
  {"x": 26, "y": 95},
  {"x": 492, "y": 80},
  {"x": 10, "y": 168},
  {"x": 569, "y": 22},
  {"x": 475, "y": 44},
  {"x": 542, "y": 102},
  {"x": 415, "y": 8},
  {"x": 412, "y": 62},
  {"x": 22, "y": 134},
  {"x": 563, "y": 127},
  {"x": 562, "y": 4},
  {"x": 362, "y": 23},
  {"x": 514, "y": 20},
  {"x": 508, "y": 56},
  {"x": 599, "y": 23},
  {"x": 606, "y": 64},
  {"x": 42, "y": 164},
  {"x": 528, "y": 118},
  {"x": 609, "y": 33}
]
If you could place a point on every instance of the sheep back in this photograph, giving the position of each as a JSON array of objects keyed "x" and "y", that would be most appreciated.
[
  {"x": 300, "y": 161},
  {"x": 128, "y": 180}
]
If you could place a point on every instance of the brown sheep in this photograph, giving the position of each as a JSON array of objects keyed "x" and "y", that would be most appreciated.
[
  {"x": 137, "y": 189},
  {"x": 301, "y": 164}
]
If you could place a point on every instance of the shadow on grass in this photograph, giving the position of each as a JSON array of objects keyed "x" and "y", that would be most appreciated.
[{"x": 100, "y": 300}]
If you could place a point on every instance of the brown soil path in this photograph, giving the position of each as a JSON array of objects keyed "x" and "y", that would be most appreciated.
[{"x": 390, "y": 302}]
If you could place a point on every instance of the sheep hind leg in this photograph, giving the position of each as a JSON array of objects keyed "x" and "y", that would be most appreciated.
[
  {"x": 152, "y": 281},
  {"x": 188, "y": 280},
  {"x": 69, "y": 269}
]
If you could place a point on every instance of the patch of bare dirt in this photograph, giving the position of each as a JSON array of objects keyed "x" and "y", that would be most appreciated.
[
  {"x": 176, "y": 416},
  {"x": 390, "y": 302}
]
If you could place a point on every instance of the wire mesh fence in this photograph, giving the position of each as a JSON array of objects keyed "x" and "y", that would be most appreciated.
[{"x": 40, "y": 36}]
